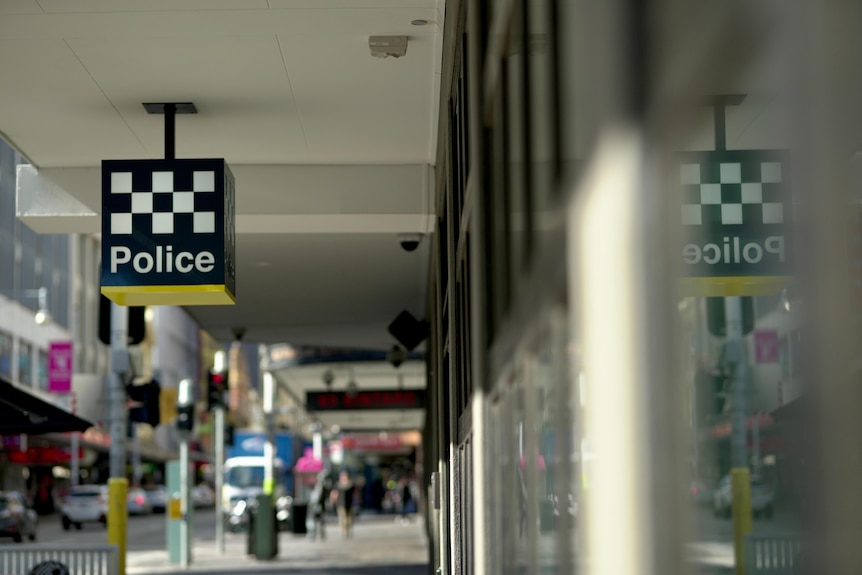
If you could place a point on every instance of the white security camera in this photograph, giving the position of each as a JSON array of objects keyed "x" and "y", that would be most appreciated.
[{"x": 409, "y": 242}]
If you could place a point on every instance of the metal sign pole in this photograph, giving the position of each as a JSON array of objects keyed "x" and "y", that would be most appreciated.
[
  {"x": 117, "y": 389},
  {"x": 184, "y": 500},
  {"x": 219, "y": 477},
  {"x": 117, "y": 483},
  {"x": 736, "y": 357},
  {"x": 75, "y": 446}
]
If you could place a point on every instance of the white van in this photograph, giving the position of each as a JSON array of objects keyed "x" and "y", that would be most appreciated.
[{"x": 243, "y": 479}]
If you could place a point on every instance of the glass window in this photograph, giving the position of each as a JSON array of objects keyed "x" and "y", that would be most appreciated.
[
  {"x": 42, "y": 376},
  {"x": 5, "y": 354},
  {"x": 25, "y": 363}
]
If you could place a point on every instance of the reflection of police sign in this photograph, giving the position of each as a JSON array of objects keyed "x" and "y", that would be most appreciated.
[
  {"x": 167, "y": 232},
  {"x": 735, "y": 212}
]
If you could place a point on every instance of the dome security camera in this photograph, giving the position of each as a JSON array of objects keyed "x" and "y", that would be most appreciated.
[
  {"x": 396, "y": 356},
  {"x": 409, "y": 242},
  {"x": 328, "y": 378}
]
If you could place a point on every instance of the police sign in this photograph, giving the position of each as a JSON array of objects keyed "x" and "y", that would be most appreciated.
[
  {"x": 736, "y": 210},
  {"x": 168, "y": 232}
]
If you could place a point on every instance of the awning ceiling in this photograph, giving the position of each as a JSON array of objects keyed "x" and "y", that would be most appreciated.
[{"x": 22, "y": 411}]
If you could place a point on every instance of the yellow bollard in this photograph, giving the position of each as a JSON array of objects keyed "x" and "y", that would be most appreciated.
[
  {"x": 269, "y": 486},
  {"x": 741, "y": 507},
  {"x": 118, "y": 487}
]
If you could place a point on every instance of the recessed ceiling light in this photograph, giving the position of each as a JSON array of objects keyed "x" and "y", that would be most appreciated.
[{"x": 419, "y": 22}]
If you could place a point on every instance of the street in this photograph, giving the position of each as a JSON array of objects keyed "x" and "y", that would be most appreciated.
[
  {"x": 145, "y": 532},
  {"x": 711, "y": 543}
]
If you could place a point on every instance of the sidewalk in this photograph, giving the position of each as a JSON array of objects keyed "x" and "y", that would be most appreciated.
[{"x": 380, "y": 545}]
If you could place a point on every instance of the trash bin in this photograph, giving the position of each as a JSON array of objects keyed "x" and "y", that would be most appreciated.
[
  {"x": 262, "y": 533},
  {"x": 49, "y": 568},
  {"x": 298, "y": 515}
]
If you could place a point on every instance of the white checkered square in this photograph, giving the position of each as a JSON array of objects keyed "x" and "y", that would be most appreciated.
[
  {"x": 121, "y": 182},
  {"x": 731, "y": 214},
  {"x": 752, "y": 194},
  {"x": 163, "y": 182},
  {"x": 184, "y": 202},
  {"x": 710, "y": 193},
  {"x": 142, "y": 202},
  {"x": 203, "y": 181},
  {"x": 689, "y": 173},
  {"x": 121, "y": 224},
  {"x": 773, "y": 213},
  {"x": 204, "y": 223},
  {"x": 163, "y": 223},
  {"x": 691, "y": 215},
  {"x": 770, "y": 172},
  {"x": 730, "y": 173}
]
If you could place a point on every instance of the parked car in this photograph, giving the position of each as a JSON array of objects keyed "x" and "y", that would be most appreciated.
[
  {"x": 17, "y": 519},
  {"x": 85, "y": 504},
  {"x": 137, "y": 502},
  {"x": 157, "y": 495},
  {"x": 762, "y": 498},
  {"x": 203, "y": 496},
  {"x": 699, "y": 493}
]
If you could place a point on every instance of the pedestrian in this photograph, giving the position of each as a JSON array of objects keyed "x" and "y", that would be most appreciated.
[
  {"x": 406, "y": 498},
  {"x": 319, "y": 497},
  {"x": 344, "y": 495}
]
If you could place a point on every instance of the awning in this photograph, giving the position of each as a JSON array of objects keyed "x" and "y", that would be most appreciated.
[{"x": 23, "y": 411}]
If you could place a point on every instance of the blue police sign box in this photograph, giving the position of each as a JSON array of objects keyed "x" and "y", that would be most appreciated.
[{"x": 168, "y": 232}]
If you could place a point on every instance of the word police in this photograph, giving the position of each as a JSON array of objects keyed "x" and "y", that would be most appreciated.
[
  {"x": 164, "y": 260},
  {"x": 733, "y": 251}
]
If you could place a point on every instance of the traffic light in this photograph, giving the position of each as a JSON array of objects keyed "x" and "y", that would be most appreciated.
[
  {"x": 186, "y": 405},
  {"x": 228, "y": 434},
  {"x": 147, "y": 398},
  {"x": 216, "y": 388},
  {"x": 186, "y": 417},
  {"x": 710, "y": 393},
  {"x": 715, "y": 316}
]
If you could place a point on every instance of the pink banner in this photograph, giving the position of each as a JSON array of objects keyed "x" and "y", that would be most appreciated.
[
  {"x": 60, "y": 367},
  {"x": 766, "y": 346}
]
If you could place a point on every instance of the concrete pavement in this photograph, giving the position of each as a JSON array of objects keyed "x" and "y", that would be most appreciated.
[{"x": 380, "y": 545}]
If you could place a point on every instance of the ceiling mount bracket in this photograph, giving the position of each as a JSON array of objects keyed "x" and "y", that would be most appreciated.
[{"x": 170, "y": 110}]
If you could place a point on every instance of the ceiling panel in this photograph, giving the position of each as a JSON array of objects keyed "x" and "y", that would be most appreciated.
[{"x": 333, "y": 150}]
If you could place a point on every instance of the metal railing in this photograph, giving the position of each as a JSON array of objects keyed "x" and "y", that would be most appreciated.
[
  {"x": 80, "y": 560},
  {"x": 771, "y": 555}
]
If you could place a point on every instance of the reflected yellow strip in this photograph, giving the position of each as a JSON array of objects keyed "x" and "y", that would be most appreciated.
[
  {"x": 216, "y": 294},
  {"x": 734, "y": 286}
]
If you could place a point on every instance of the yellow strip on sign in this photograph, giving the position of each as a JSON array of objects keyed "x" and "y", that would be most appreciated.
[
  {"x": 734, "y": 286},
  {"x": 215, "y": 294}
]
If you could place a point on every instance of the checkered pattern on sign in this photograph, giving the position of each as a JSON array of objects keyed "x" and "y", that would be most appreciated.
[
  {"x": 732, "y": 193},
  {"x": 164, "y": 205}
]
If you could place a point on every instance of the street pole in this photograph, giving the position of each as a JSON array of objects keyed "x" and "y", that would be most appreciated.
[
  {"x": 118, "y": 483},
  {"x": 136, "y": 455},
  {"x": 735, "y": 355},
  {"x": 184, "y": 500},
  {"x": 74, "y": 464},
  {"x": 219, "y": 477},
  {"x": 269, "y": 444},
  {"x": 117, "y": 389},
  {"x": 185, "y": 401},
  {"x": 740, "y": 476},
  {"x": 220, "y": 366}
]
